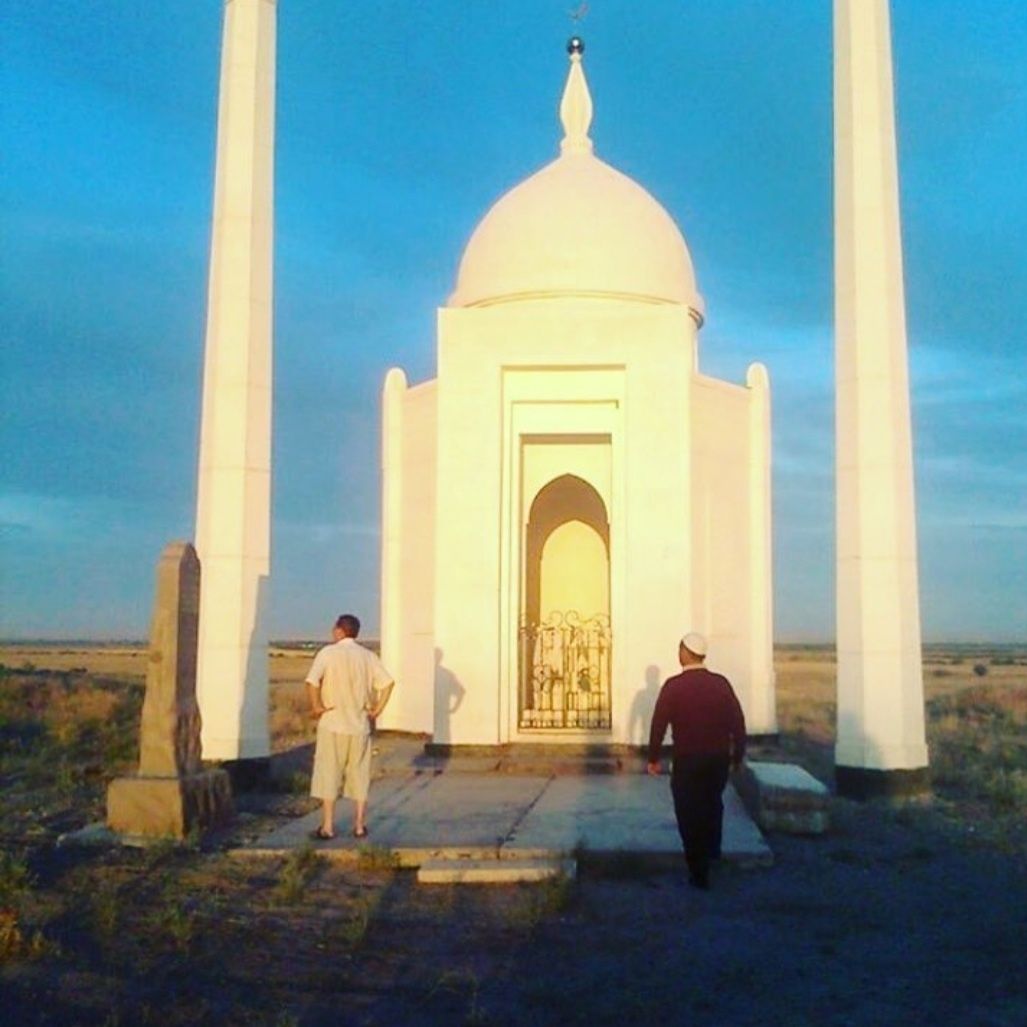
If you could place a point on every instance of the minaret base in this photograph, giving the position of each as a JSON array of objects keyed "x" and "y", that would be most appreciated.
[
  {"x": 870, "y": 783},
  {"x": 251, "y": 774}
]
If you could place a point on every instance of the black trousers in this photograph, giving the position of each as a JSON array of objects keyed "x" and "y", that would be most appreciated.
[{"x": 697, "y": 784}]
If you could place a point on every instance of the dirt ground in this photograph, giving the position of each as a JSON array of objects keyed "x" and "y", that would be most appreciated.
[{"x": 912, "y": 913}]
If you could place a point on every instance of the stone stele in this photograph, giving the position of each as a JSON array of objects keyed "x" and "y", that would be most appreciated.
[{"x": 172, "y": 795}]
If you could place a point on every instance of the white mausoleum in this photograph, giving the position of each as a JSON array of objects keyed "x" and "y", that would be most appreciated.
[{"x": 571, "y": 493}]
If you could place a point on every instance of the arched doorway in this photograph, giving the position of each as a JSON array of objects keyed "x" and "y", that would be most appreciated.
[{"x": 565, "y": 635}]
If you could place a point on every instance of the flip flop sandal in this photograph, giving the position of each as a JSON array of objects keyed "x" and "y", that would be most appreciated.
[
  {"x": 320, "y": 835},
  {"x": 360, "y": 834}
]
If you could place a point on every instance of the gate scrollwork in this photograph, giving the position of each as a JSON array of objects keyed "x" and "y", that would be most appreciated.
[{"x": 565, "y": 672}]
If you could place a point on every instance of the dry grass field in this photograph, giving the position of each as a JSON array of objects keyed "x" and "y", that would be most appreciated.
[
  {"x": 913, "y": 912},
  {"x": 976, "y": 706}
]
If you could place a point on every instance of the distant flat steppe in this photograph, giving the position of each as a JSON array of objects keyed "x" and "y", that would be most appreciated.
[{"x": 805, "y": 678}]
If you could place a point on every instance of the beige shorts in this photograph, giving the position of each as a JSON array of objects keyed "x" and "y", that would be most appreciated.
[{"x": 341, "y": 760}]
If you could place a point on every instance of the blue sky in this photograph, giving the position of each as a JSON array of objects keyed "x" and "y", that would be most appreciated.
[{"x": 398, "y": 125}]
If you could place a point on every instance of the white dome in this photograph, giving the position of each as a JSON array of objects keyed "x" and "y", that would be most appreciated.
[{"x": 577, "y": 228}]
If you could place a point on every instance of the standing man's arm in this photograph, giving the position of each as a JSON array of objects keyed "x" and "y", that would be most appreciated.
[
  {"x": 381, "y": 697},
  {"x": 656, "y": 732},
  {"x": 317, "y": 707},
  {"x": 314, "y": 695},
  {"x": 381, "y": 688}
]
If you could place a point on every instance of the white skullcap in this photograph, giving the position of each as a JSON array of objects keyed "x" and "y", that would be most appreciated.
[{"x": 694, "y": 643}]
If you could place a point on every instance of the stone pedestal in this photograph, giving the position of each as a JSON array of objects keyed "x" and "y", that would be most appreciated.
[
  {"x": 169, "y": 807},
  {"x": 784, "y": 797},
  {"x": 172, "y": 795}
]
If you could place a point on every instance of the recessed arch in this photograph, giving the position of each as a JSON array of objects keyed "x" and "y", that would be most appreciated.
[
  {"x": 565, "y": 633},
  {"x": 561, "y": 501}
]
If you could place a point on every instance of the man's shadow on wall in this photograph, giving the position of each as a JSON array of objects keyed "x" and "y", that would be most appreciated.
[
  {"x": 449, "y": 696},
  {"x": 641, "y": 712}
]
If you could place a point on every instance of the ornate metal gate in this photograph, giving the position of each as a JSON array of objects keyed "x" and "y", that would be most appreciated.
[{"x": 565, "y": 672}]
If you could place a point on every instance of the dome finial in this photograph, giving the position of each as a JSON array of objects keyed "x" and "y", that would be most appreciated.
[{"x": 576, "y": 104}]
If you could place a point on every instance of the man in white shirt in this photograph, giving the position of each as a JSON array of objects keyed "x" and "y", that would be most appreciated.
[{"x": 348, "y": 687}]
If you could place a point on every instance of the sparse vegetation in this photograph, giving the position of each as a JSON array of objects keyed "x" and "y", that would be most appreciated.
[
  {"x": 104, "y": 910},
  {"x": 976, "y": 733},
  {"x": 298, "y": 870},
  {"x": 464, "y": 983},
  {"x": 19, "y": 940},
  {"x": 538, "y": 902},
  {"x": 979, "y": 749},
  {"x": 555, "y": 893},
  {"x": 175, "y": 920},
  {"x": 375, "y": 857},
  {"x": 352, "y": 928},
  {"x": 15, "y": 879},
  {"x": 18, "y": 943},
  {"x": 183, "y": 934}
]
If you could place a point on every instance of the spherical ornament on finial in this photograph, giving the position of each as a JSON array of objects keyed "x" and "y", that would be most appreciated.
[{"x": 575, "y": 45}]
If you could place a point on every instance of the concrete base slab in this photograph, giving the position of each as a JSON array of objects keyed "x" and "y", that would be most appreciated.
[
  {"x": 97, "y": 834},
  {"x": 869, "y": 783},
  {"x": 493, "y": 871},
  {"x": 423, "y": 817},
  {"x": 626, "y": 814},
  {"x": 456, "y": 810}
]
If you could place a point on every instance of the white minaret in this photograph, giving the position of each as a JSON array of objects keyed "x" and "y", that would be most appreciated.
[
  {"x": 234, "y": 494},
  {"x": 881, "y": 746}
]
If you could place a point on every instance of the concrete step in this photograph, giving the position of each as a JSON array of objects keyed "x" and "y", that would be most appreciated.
[
  {"x": 492, "y": 871},
  {"x": 785, "y": 797}
]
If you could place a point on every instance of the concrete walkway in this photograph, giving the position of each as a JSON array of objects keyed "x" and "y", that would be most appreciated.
[{"x": 482, "y": 808}]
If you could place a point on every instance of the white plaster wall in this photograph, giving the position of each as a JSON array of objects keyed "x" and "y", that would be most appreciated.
[
  {"x": 393, "y": 407},
  {"x": 658, "y": 540},
  {"x": 466, "y": 708},
  {"x": 408, "y": 556},
  {"x": 763, "y": 679},
  {"x": 731, "y": 585},
  {"x": 576, "y": 366},
  {"x": 722, "y": 588}
]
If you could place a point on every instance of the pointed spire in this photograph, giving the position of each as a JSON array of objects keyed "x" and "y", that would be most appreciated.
[{"x": 576, "y": 104}]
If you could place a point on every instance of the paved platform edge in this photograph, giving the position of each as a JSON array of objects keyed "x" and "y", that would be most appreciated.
[
  {"x": 408, "y": 858},
  {"x": 494, "y": 871}
]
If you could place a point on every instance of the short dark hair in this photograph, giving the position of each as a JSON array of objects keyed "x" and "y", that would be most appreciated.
[{"x": 349, "y": 624}]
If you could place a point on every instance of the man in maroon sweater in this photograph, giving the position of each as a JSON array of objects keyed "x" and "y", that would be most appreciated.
[{"x": 708, "y": 730}]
